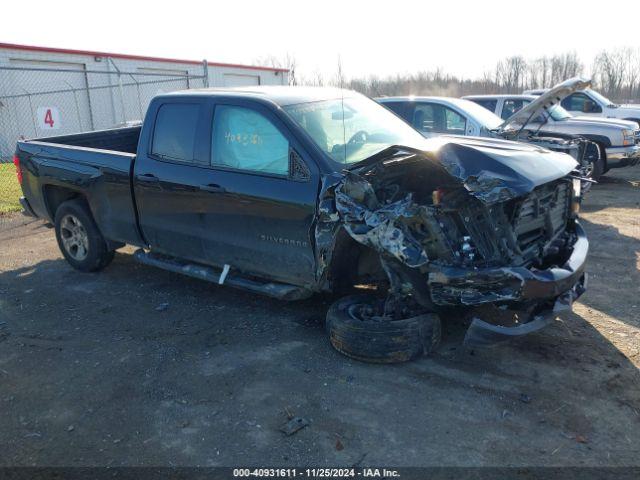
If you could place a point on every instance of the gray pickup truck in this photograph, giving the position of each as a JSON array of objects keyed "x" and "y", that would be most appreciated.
[
  {"x": 618, "y": 140},
  {"x": 290, "y": 191}
]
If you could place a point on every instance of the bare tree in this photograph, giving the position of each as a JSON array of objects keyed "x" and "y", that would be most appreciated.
[{"x": 287, "y": 61}]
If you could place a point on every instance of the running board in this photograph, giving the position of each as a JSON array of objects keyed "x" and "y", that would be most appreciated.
[{"x": 280, "y": 291}]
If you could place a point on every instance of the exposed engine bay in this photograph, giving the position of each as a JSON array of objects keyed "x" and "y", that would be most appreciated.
[{"x": 456, "y": 233}]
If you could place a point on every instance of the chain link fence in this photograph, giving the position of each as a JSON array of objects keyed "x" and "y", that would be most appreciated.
[{"x": 42, "y": 102}]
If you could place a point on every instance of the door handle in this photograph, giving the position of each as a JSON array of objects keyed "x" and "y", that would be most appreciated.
[
  {"x": 213, "y": 188},
  {"x": 148, "y": 178}
]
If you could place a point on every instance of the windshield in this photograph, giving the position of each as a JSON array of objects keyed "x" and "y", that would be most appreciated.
[
  {"x": 484, "y": 117},
  {"x": 600, "y": 98},
  {"x": 360, "y": 130}
]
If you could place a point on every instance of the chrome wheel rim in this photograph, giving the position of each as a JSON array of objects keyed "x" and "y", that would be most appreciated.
[{"x": 74, "y": 237}]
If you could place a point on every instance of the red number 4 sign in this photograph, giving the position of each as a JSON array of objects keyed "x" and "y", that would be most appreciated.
[{"x": 48, "y": 118}]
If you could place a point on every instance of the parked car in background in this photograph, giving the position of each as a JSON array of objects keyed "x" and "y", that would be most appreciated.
[
  {"x": 435, "y": 116},
  {"x": 619, "y": 140},
  {"x": 589, "y": 102},
  {"x": 286, "y": 191}
]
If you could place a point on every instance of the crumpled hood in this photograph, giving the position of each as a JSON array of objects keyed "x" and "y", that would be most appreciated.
[
  {"x": 607, "y": 121},
  {"x": 493, "y": 171},
  {"x": 498, "y": 170},
  {"x": 551, "y": 97}
]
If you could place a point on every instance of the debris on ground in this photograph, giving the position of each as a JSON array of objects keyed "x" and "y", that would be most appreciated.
[
  {"x": 581, "y": 439},
  {"x": 162, "y": 307},
  {"x": 293, "y": 425},
  {"x": 524, "y": 398}
]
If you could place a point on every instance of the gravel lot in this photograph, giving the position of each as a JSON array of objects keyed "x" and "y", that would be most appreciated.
[{"x": 137, "y": 366}]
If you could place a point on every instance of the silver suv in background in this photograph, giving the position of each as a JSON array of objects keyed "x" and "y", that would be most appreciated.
[
  {"x": 619, "y": 140},
  {"x": 434, "y": 116}
]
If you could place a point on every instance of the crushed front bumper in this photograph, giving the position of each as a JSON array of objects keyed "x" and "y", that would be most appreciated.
[
  {"x": 484, "y": 334},
  {"x": 623, "y": 156},
  {"x": 559, "y": 286}
]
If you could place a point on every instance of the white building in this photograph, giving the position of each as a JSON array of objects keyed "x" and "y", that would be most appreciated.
[{"x": 52, "y": 91}]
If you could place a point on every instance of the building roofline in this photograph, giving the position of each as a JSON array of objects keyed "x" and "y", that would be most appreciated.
[{"x": 124, "y": 56}]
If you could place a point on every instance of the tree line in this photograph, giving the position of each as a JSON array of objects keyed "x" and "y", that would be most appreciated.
[{"x": 615, "y": 73}]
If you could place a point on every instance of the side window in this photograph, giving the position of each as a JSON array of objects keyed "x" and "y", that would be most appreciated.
[
  {"x": 246, "y": 140},
  {"x": 488, "y": 104},
  {"x": 511, "y": 106},
  {"x": 398, "y": 108},
  {"x": 435, "y": 118},
  {"x": 454, "y": 122},
  {"x": 579, "y": 102},
  {"x": 424, "y": 117},
  {"x": 174, "y": 134}
]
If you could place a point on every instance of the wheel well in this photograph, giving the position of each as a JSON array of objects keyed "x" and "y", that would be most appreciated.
[
  {"x": 353, "y": 263},
  {"x": 54, "y": 196},
  {"x": 603, "y": 155}
]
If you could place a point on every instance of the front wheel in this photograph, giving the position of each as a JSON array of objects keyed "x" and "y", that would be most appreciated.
[
  {"x": 79, "y": 239},
  {"x": 357, "y": 330}
]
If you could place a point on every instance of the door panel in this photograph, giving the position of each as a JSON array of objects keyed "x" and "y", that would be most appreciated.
[
  {"x": 171, "y": 206},
  {"x": 261, "y": 225},
  {"x": 259, "y": 222},
  {"x": 167, "y": 180}
]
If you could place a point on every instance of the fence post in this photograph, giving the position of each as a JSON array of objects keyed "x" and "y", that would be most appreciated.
[
  {"x": 205, "y": 79},
  {"x": 124, "y": 116},
  {"x": 75, "y": 99},
  {"x": 33, "y": 115}
]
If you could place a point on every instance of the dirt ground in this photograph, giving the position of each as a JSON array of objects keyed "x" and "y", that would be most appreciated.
[{"x": 138, "y": 366}]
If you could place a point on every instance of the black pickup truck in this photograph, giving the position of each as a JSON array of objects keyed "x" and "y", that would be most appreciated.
[{"x": 288, "y": 191}]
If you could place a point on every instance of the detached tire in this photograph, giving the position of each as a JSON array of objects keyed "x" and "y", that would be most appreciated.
[
  {"x": 379, "y": 340},
  {"x": 79, "y": 239}
]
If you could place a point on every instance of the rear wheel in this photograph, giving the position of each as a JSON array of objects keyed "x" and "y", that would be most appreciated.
[
  {"x": 79, "y": 239},
  {"x": 357, "y": 329}
]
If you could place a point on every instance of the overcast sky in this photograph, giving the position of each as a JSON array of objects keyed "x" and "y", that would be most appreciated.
[{"x": 387, "y": 37}]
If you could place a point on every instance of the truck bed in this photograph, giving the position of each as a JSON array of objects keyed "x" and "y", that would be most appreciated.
[
  {"x": 96, "y": 165},
  {"x": 115, "y": 139}
]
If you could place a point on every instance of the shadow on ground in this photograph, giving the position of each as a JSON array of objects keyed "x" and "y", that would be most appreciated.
[{"x": 137, "y": 366}]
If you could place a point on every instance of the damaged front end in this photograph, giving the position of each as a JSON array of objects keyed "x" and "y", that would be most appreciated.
[{"x": 472, "y": 223}]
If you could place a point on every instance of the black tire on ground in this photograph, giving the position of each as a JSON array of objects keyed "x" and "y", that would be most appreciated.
[
  {"x": 79, "y": 239},
  {"x": 380, "y": 341}
]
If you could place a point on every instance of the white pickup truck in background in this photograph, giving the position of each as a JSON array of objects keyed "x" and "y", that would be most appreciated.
[
  {"x": 618, "y": 139},
  {"x": 591, "y": 103}
]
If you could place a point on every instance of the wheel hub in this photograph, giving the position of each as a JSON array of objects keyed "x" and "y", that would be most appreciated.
[{"x": 74, "y": 237}]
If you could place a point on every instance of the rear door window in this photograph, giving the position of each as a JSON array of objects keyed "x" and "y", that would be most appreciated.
[
  {"x": 488, "y": 104},
  {"x": 245, "y": 139},
  {"x": 174, "y": 135},
  {"x": 399, "y": 108}
]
